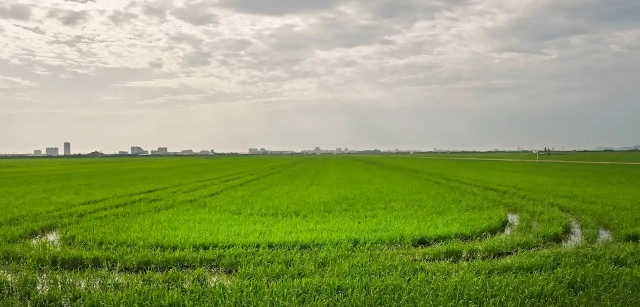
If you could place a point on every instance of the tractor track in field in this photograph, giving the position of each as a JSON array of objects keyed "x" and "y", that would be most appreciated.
[
  {"x": 451, "y": 182},
  {"x": 151, "y": 191},
  {"x": 259, "y": 176},
  {"x": 571, "y": 238},
  {"x": 192, "y": 200},
  {"x": 444, "y": 182},
  {"x": 224, "y": 178},
  {"x": 455, "y": 183},
  {"x": 150, "y": 199}
]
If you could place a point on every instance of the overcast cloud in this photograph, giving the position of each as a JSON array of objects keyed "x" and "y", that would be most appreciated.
[{"x": 294, "y": 74}]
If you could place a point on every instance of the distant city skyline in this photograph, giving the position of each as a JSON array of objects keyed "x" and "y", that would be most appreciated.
[
  {"x": 138, "y": 150},
  {"x": 233, "y": 74},
  {"x": 79, "y": 146}
]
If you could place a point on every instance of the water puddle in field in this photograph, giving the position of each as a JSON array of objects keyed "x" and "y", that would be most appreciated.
[
  {"x": 6, "y": 275},
  {"x": 604, "y": 236},
  {"x": 47, "y": 282},
  {"x": 51, "y": 238},
  {"x": 513, "y": 220},
  {"x": 575, "y": 235},
  {"x": 81, "y": 284},
  {"x": 43, "y": 284},
  {"x": 219, "y": 277}
]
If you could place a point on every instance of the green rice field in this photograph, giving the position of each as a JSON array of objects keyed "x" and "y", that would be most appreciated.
[
  {"x": 346, "y": 230},
  {"x": 570, "y": 156}
]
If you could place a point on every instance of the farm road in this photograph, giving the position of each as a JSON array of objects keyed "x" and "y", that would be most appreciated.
[
  {"x": 523, "y": 160},
  {"x": 520, "y": 160}
]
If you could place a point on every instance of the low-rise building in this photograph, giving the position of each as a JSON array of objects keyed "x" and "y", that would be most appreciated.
[
  {"x": 95, "y": 154},
  {"x": 52, "y": 151},
  {"x": 135, "y": 150}
]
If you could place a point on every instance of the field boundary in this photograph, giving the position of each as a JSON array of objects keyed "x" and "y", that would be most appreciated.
[{"x": 520, "y": 160}]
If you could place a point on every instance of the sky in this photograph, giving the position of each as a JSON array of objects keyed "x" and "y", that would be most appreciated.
[{"x": 295, "y": 74}]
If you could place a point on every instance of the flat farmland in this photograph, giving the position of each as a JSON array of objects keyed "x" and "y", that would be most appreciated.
[
  {"x": 621, "y": 157},
  {"x": 319, "y": 230}
]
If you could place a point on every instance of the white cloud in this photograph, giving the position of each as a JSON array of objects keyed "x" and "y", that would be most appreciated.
[
  {"x": 15, "y": 11},
  {"x": 203, "y": 83},
  {"x": 69, "y": 17},
  {"x": 179, "y": 99},
  {"x": 16, "y": 83},
  {"x": 40, "y": 71}
]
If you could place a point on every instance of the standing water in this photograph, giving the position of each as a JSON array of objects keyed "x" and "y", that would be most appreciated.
[
  {"x": 575, "y": 235},
  {"x": 604, "y": 236},
  {"x": 512, "y": 222}
]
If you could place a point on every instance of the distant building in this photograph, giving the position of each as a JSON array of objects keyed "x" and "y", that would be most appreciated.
[
  {"x": 338, "y": 150},
  {"x": 37, "y": 152},
  {"x": 346, "y": 149},
  {"x": 187, "y": 152},
  {"x": 263, "y": 151},
  {"x": 253, "y": 151},
  {"x": 52, "y": 151},
  {"x": 95, "y": 154},
  {"x": 163, "y": 150},
  {"x": 135, "y": 150},
  {"x": 123, "y": 152},
  {"x": 204, "y": 152},
  {"x": 67, "y": 148},
  {"x": 155, "y": 152}
]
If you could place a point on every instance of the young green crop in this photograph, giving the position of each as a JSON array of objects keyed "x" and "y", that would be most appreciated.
[{"x": 316, "y": 230}]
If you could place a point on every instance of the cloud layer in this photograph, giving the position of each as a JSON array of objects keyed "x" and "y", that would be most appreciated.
[{"x": 231, "y": 74}]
